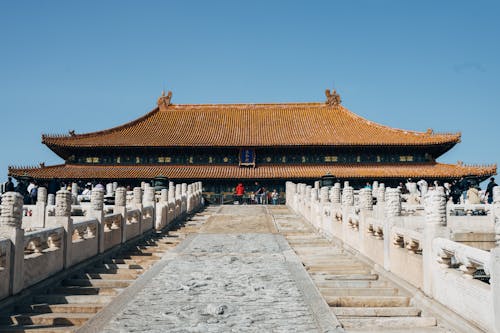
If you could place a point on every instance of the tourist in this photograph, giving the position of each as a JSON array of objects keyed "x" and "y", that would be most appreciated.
[
  {"x": 240, "y": 191},
  {"x": 9, "y": 186},
  {"x": 422, "y": 186},
  {"x": 489, "y": 190},
  {"x": 473, "y": 196},
  {"x": 402, "y": 188},
  {"x": 33, "y": 192},
  {"x": 275, "y": 197},
  {"x": 258, "y": 191}
]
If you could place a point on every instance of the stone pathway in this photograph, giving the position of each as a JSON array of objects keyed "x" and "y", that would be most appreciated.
[{"x": 236, "y": 275}]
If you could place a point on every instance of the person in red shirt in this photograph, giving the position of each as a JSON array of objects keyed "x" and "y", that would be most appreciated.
[{"x": 240, "y": 191}]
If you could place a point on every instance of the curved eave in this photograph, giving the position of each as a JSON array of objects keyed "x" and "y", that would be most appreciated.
[{"x": 299, "y": 171}]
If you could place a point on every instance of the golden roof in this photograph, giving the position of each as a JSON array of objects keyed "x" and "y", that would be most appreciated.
[
  {"x": 302, "y": 171},
  {"x": 250, "y": 125}
]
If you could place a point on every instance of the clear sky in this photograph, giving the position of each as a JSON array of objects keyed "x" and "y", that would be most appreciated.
[{"x": 91, "y": 65}]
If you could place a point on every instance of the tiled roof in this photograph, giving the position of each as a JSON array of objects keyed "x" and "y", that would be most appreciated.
[
  {"x": 250, "y": 125},
  {"x": 370, "y": 171}
]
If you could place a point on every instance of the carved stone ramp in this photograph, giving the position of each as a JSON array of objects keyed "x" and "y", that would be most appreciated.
[
  {"x": 235, "y": 275},
  {"x": 67, "y": 304},
  {"x": 360, "y": 299}
]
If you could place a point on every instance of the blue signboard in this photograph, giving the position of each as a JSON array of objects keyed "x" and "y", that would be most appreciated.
[{"x": 247, "y": 157}]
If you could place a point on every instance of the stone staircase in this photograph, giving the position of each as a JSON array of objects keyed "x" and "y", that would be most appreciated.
[
  {"x": 360, "y": 299},
  {"x": 71, "y": 302}
]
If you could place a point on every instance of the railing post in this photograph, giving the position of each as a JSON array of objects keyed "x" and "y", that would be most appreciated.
[
  {"x": 41, "y": 205},
  {"x": 495, "y": 260},
  {"x": 435, "y": 223},
  {"x": 366, "y": 211},
  {"x": 121, "y": 208},
  {"x": 150, "y": 200},
  {"x": 347, "y": 208},
  {"x": 392, "y": 210},
  {"x": 10, "y": 228},
  {"x": 178, "y": 200},
  {"x": 138, "y": 205},
  {"x": 63, "y": 219},
  {"x": 97, "y": 212},
  {"x": 171, "y": 202}
]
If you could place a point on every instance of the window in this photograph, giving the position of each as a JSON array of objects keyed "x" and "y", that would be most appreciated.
[{"x": 406, "y": 158}]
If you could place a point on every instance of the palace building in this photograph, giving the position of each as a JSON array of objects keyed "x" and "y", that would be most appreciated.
[{"x": 223, "y": 144}]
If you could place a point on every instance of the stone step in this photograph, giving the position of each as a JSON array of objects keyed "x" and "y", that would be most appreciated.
[
  {"x": 340, "y": 271},
  {"x": 138, "y": 256},
  {"x": 374, "y": 291},
  {"x": 69, "y": 299},
  {"x": 433, "y": 329},
  {"x": 111, "y": 276},
  {"x": 51, "y": 319},
  {"x": 147, "y": 262},
  {"x": 350, "y": 283},
  {"x": 111, "y": 265},
  {"x": 367, "y": 301},
  {"x": 345, "y": 277},
  {"x": 38, "y": 329},
  {"x": 97, "y": 283},
  {"x": 60, "y": 308},
  {"x": 376, "y": 312},
  {"x": 77, "y": 290},
  {"x": 388, "y": 322}
]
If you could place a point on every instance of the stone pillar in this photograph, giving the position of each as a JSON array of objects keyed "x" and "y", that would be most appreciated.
[
  {"x": 178, "y": 199},
  {"x": 346, "y": 184},
  {"x": 150, "y": 200},
  {"x": 149, "y": 196},
  {"x": 366, "y": 199},
  {"x": 97, "y": 212},
  {"x": 183, "y": 198},
  {"x": 381, "y": 193},
  {"x": 115, "y": 186},
  {"x": 51, "y": 199},
  {"x": 495, "y": 260},
  {"x": 435, "y": 222},
  {"x": 336, "y": 194},
  {"x": 41, "y": 205},
  {"x": 121, "y": 208},
  {"x": 164, "y": 195},
  {"x": 137, "y": 202},
  {"x": 109, "y": 189},
  {"x": 393, "y": 202},
  {"x": 63, "y": 218},
  {"x": 171, "y": 203},
  {"x": 324, "y": 195},
  {"x": 74, "y": 193},
  {"x": 10, "y": 228},
  {"x": 392, "y": 211},
  {"x": 375, "y": 189},
  {"x": 348, "y": 196},
  {"x": 317, "y": 185},
  {"x": 189, "y": 199}
]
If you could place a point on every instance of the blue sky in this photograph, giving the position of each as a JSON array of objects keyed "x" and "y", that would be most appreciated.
[{"x": 91, "y": 65}]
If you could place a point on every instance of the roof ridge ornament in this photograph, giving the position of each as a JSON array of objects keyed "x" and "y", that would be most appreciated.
[
  {"x": 165, "y": 100},
  {"x": 332, "y": 98}
]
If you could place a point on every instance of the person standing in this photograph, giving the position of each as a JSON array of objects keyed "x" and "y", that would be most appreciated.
[
  {"x": 489, "y": 190},
  {"x": 240, "y": 191},
  {"x": 9, "y": 186}
]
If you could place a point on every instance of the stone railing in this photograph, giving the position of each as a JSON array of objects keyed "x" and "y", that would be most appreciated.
[
  {"x": 43, "y": 254},
  {"x": 58, "y": 240},
  {"x": 415, "y": 242}
]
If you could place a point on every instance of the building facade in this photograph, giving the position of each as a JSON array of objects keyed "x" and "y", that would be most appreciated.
[{"x": 223, "y": 144}]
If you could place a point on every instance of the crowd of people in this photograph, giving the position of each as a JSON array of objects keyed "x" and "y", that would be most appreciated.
[
  {"x": 258, "y": 195},
  {"x": 459, "y": 191}
]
